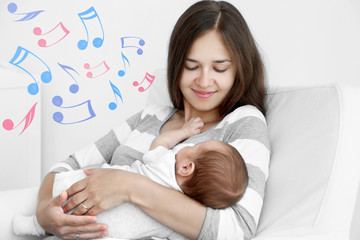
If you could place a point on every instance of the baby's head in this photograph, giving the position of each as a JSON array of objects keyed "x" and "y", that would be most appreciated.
[{"x": 212, "y": 172}]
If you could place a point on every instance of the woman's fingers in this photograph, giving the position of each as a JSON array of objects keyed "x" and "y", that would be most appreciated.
[
  {"x": 79, "y": 221},
  {"x": 88, "y": 231},
  {"x": 95, "y": 211},
  {"x": 83, "y": 208},
  {"x": 92, "y": 193},
  {"x": 91, "y": 228},
  {"x": 78, "y": 196},
  {"x": 51, "y": 216},
  {"x": 64, "y": 225},
  {"x": 89, "y": 171},
  {"x": 59, "y": 200},
  {"x": 85, "y": 226},
  {"x": 95, "y": 235},
  {"x": 77, "y": 187}
]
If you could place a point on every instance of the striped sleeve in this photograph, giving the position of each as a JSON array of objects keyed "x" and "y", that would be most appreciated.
[
  {"x": 246, "y": 130},
  {"x": 96, "y": 153},
  {"x": 99, "y": 152}
]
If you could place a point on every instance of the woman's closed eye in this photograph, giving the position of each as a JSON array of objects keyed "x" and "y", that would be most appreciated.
[
  {"x": 220, "y": 70},
  {"x": 191, "y": 68},
  {"x": 222, "y": 66}
]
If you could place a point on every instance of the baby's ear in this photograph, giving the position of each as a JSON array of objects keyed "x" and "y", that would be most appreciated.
[{"x": 187, "y": 169}]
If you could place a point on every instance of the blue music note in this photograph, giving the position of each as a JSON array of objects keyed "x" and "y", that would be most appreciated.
[
  {"x": 74, "y": 88},
  {"x": 121, "y": 73},
  {"x": 88, "y": 15},
  {"x": 73, "y": 111},
  {"x": 22, "y": 54},
  {"x": 127, "y": 42},
  {"x": 116, "y": 91},
  {"x": 12, "y": 8}
]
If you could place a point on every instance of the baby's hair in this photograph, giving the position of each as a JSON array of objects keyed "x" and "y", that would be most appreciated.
[{"x": 219, "y": 179}]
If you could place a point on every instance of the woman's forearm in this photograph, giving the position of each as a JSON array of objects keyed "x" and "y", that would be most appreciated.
[
  {"x": 45, "y": 194},
  {"x": 169, "y": 207},
  {"x": 45, "y": 191}
]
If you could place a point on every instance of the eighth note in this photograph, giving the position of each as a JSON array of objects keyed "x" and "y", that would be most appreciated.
[
  {"x": 58, "y": 33},
  {"x": 149, "y": 80},
  {"x": 133, "y": 42},
  {"x": 74, "y": 88},
  {"x": 116, "y": 91},
  {"x": 12, "y": 8},
  {"x": 102, "y": 68},
  {"x": 121, "y": 73},
  {"x": 22, "y": 57},
  {"x": 88, "y": 15},
  {"x": 8, "y": 124},
  {"x": 72, "y": 112}
]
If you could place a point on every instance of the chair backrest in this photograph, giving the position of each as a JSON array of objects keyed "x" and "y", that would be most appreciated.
[{"x": 314, "y": 168}]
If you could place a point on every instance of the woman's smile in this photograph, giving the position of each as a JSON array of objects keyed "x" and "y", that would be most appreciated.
[{"x": 204, "y": 94}]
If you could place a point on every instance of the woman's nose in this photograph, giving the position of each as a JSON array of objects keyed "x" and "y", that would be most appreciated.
[{"x": 204, "y": 79}]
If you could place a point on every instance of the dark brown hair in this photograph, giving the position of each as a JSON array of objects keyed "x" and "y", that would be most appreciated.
[
  {"x": 200, "y": 18},
  {"x": 219, "y": 179}
]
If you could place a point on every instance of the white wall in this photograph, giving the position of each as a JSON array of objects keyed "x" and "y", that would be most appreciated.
[
  {"x": 307, "y": 42},
  {"x": 303, "y": 42}
]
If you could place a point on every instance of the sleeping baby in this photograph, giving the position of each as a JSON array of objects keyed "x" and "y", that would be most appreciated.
[{"x": 211, "y": 172}]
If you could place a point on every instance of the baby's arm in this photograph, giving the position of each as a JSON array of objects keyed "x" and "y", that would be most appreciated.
[{"x": 170, "y": 138}]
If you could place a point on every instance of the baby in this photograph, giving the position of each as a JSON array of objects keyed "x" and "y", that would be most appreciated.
[{"x": 211, "y": 172}]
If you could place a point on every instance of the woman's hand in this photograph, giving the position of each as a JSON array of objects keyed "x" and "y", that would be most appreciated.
[
  {"x": 101, "y": 190},
  {"x": 52, "y": 218}
]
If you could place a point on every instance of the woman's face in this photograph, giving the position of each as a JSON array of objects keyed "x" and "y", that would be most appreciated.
[{"x": 208, "y": 74}]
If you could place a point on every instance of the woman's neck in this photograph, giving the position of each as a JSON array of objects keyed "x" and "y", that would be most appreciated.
[{"x": 210, "y": 118}]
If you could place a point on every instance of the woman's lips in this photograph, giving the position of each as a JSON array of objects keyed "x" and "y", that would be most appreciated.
[{"x": 204, "y": 94}]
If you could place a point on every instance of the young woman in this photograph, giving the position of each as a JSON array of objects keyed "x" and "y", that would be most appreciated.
[{"x": 215, "y": 72}]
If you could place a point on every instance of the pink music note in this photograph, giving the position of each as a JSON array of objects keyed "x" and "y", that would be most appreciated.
[
  {"x": 113, "y": 105},
  {"x": 74, "y": 88},
  {"x": 102, "y": 68},
  {"x": 121, "y": 73},
  {"x": 12, "y": 8},
  {"x": 74, "y": 114},
  {"x": 58, "y": 33},
  {"x": 88, "y": 15},
  {"x": 8, "y": 124},
  {"x": 133, "y": 42},
  {"x": 149, "y": 80}
]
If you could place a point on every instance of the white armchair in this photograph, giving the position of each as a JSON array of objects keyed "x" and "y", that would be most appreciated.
[
  {"x": 312, "y": 190},
  {"x": 22, "y": 201}
]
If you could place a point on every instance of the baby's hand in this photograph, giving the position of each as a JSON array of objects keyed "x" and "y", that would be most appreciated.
[{"x": 193, "y": 127}]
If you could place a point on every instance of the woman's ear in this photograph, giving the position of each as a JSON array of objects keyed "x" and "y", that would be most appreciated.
[{"x": 187, "y": 168}]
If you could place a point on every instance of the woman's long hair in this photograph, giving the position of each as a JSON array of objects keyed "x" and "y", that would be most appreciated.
[{"x": 200, "y": 18}]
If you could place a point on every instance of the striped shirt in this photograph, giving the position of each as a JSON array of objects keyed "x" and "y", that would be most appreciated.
[{"x": 245, "y": 128}]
